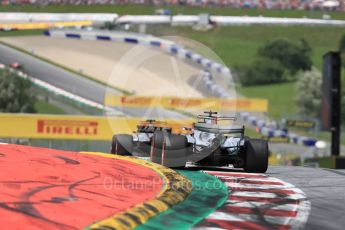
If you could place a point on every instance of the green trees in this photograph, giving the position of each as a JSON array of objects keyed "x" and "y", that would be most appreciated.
[
  {"x": 308, "y": 97},
  {"x": 342, "y": 49},
  {"x": 262, "y": 71},
  {"x": 342, "y": 44},
  {"x": 277, "y": 61},
  {"x": 293, "y": 57},
  {"x": 15, "y": 93}
]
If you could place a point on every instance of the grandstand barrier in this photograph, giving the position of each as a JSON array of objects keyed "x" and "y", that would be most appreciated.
[
  {"x": 166, "y": 19},
  {"x": 254, "y": 105}
]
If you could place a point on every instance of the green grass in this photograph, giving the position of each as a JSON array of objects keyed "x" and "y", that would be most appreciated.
[
  {"x": 46, "y": 108},
  {"x": 20, "y": 33},
  {"x": 280, "y": 97},
  {"x": 321, "y": 135},
  {"x": 252, "y": 133},
  {"x": 140, "y": 9},
  {"x": 237, "y": 45}
]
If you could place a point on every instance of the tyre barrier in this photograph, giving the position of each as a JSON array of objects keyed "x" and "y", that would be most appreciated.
[{"x": 264, "y": 129}]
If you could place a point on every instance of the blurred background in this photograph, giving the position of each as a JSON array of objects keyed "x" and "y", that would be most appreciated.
[{"x": 75, "y": 72}]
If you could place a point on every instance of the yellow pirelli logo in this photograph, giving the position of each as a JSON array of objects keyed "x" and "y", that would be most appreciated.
[
  {"x": 43, "y": 25},
  {"x": 257, "y": 105},
  {"x": 72, "y": 127}
]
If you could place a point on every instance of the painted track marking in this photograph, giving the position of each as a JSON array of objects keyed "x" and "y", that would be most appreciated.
[
  {"x": 52, "y": 189},
  {"x": 258, "y": 201}
]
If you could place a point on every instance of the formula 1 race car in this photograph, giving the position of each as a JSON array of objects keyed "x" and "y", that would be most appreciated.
[
  {"x": 208, "y": 143},
  {"x": 140, "y": 141},
  {"x": 16, "y": 65}
]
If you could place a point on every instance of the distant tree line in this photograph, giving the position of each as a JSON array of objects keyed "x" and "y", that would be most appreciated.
[
  {"x": 276, "y": 62},
  {"x": 16, "y": 94},
  {"x": 280, "y": 61}
]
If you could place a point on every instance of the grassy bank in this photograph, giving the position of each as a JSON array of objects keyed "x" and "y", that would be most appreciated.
[
  {"x": 238, "y": 44},
  {"x": 20, "y": 33},
  {"x": 141, "y": 9},
  {"x": 280, "y": 97},
  {"x": 46, "y": 108}
]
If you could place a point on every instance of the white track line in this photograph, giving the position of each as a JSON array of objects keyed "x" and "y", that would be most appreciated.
[
  {"x": 258, "y": 201},
  {"x": 244, "y": 180},
  {"x": 247, "y": 218},
  {"x": 285, "y": 207},
  {"x": 244, "y": 185},
  {"x": 266, "y": 195}
]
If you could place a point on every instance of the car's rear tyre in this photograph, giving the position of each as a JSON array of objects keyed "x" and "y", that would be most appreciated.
[
  {"x": 174, "y": 151},
  {"x": 122, "y": 144},
  {"x": 156, "y": 147},
  {"x": 169, "y": 149},
  {"x": 256, "y": 156}
]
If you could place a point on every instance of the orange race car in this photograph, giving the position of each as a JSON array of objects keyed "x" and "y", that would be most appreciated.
[{"x": 139, "y": 142}]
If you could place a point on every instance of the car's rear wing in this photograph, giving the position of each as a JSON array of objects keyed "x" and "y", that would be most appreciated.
[{"x": 219, "y": 129}]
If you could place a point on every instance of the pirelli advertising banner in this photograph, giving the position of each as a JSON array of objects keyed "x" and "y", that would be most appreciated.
[
  {"x": 38, "y": 126},
  {"x": 258, "y": 105},
  {"x": 43, "y": 25}
]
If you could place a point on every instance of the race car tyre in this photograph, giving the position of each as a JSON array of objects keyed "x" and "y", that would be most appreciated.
[
  {"x": 156, "y": 147},
  {"x": 168, "y": 149},
  {"x": 174, "y": 151},
  {"x": 256, "y": 156},
  {"x": 122, "y": 144}
]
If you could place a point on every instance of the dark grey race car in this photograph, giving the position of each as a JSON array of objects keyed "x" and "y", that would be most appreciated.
[{"x": 208, "y": 143}]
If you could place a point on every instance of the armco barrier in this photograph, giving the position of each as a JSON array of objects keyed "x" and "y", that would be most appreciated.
[
  {"x": 70, "y": 127},
  {"x": 244, "y": 104}
]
